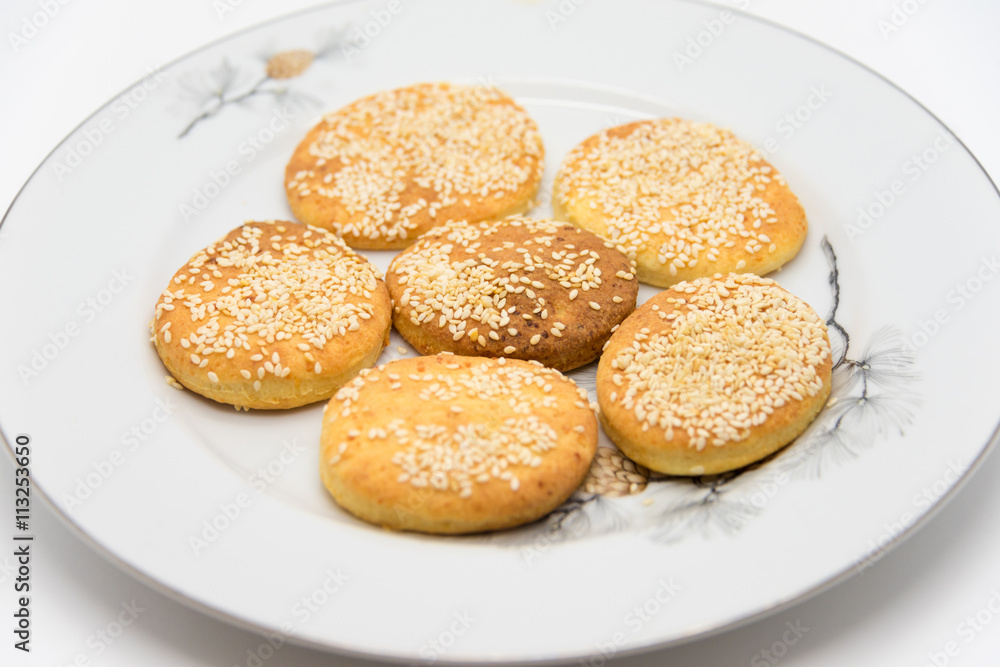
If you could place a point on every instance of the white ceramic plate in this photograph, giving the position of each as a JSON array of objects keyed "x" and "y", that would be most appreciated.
[{"x": 224, "y": 509}]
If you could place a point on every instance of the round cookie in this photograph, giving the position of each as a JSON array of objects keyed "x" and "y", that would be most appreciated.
[
  {"x": 450, "y": 444},
  {"x": 713, "y": 375},
  {"x": 386, "y": 168},
  {"x": 684, "y": 199},
  {"x": 273, "y": 315},
  {"x": 519, "y": 288}
]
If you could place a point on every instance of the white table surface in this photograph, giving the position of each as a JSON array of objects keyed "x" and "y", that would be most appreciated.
[{"x": 912, "y": 607}]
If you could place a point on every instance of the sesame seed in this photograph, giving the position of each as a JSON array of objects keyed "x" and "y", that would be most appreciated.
[
  {"x": 448, "y": 281},
  {"x": 763, "y": 341},
  {"x": 302, "y": 295},
  {"x": 461, "y": 454},
  {"x": 632, "y": 174},
  {"x": 437, "y": 133}
]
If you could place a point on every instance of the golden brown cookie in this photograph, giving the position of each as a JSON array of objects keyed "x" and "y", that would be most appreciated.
[
  {"x": 386, "y": 168},
  {"x": 684, "y": 199},
  {"x": 450, "y": 444},
  {"x": 273, "y": 315},
  {"x": 713, "y": 374},
  {"x": 517, "y": 288}
]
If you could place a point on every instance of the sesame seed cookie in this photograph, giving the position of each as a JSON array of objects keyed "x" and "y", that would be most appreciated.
[
  {"x": 450, "y": 444},
  {"x": 273, "y": 315},
  {"x": 713, "y": 375},
  {"x": 386, "y": 168},
  {"x": 519, "y": 288},
  {"x": 684, "y": 199}
]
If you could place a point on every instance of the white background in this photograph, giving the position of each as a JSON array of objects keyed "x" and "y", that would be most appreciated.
[{"x": 904, "y": 610}]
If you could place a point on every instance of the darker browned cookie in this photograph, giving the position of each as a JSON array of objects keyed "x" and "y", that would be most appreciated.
[{"x": 518, "y": 288}]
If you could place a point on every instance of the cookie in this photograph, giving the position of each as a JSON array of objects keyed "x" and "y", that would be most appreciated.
[
  {"x": 273, "y": 315},
  {"x": 386, "y": 168},
  {"x": 684, "y": 199},
  {"x": 451, "y": 444},
  {"x": 713, "y": 375},
  {"x": 517, "y": 288}
]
